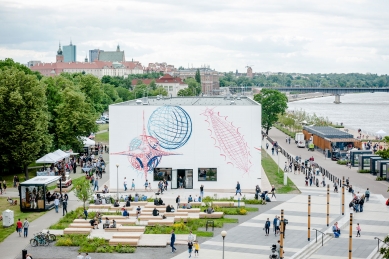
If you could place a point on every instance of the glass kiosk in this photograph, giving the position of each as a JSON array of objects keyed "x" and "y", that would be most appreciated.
[{"x": 33, "y": 196}]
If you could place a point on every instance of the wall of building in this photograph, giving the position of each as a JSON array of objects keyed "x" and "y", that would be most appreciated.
[
  {"x": 69, "y": 53},
  {"x": 222, "y": 137}
]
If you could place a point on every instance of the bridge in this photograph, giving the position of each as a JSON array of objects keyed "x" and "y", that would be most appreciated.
[{"x": 335, "y": 91}]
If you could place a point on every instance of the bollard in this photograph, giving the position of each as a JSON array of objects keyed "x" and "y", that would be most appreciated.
[
  {"x": 343, "y": 197},
  {"x": 309, "y": 217},
  {"x": 24, "y": 253},
  {"x": 350, "y": 243},
  {"x": 282, "y": 235},
  {"x": 328, "y": 205}
]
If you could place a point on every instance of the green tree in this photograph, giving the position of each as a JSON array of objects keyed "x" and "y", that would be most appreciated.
[
  {"x": 273, "y": 104},
  {"x": 385, "y": 152},
  {"x": 83, "y": 191},
  {"x": 24, "y": 117},
  {"x": 153, "y": 85},
  {"x": 124, "y": 94},
  {"x": 198, "y": 76}
]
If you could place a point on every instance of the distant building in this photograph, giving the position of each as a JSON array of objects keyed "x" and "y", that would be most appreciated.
[
  {"x": 111, "y": 56},
  {"x": 160, "y": 67},
  {"x": 249, "y": 72},
  {"x": 209, "y": 78},
  {"x": 33, "y": 63},
  {"x": 94, "y": 54},
  {"x": 171, "y": 84},
  {"x": 69, "y": 53}
]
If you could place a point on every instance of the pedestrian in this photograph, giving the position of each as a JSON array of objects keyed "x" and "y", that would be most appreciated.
[
  {"x": 238, "y": 190},
  {"x": 275, "y": 225},
  {"x": 361, "y": 202},
  {"x": 80, "y": 256},
  {"x": 190, "y": 237},
  {"x": 197, "y": 248},
  {"x": 26, "y": 224},
  {"x": 87, "y": 256},
  {"x": 367, "y": 194},
  {"x": 289, "y": 140},
  {"x": 65, "y": 204},
  {"x": 272, "y": 150},
  {"x": 335, "y": 187},
  {"x": 190, "y": 247},
  {"x": 273, "y": 191},
  {"x": 278, "y": 225},
  {"x": 178, "y": 201},
  {"x": 85, "y": 213},
  {"x": 28, "y": 256},
  {"x": 172, "y": 240},
  {"x": 133, "y": 185},
  {"x": 146, "y": 185},
  {"x": 317, "y": 182},
  {"x": 181, "y": 182},
  {"x": 267, "y": 145},
  {"x": 358, "y": 230},
  {"x": 56, "y": 203},
  {"x": 286, "y": 139},
  {"x": 202, "y": 192},
  {"x": 96, "y": 184},
  {"x": 5, "y": 186},
  {"x": 19, "y": 226},
  {"x": 267, "y": 227},
  {"x": 125, "y": 184},
  {"x": 324, "y": 182}
]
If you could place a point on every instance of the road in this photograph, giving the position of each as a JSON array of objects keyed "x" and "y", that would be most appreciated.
[{"x": 362, "y": 181}]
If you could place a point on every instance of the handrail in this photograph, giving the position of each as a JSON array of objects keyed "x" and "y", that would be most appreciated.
[
  {"x": 322, "y": 236},
  {"x": 378, "y": 246}
]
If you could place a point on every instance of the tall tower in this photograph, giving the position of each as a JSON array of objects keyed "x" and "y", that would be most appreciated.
[
  {"x": 59, "y": 57},
  {"x": 249, "y": 72},
  {"x": 70, "y": 52},
  {"x": 118, "y": 48}
]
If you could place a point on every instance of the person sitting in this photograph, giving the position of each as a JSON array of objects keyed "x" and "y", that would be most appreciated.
[
  {"x": 106, "y": 190},
  {"x": 155, "y": 212},
  {"x": 168, "y": 208},
  {"x": 144, "y": 197},
  {"x": 113, "y": 224},
  {"x": 196, "y": 199},
  {"x": 98, "y": 216},
  {"x": 103, "y": 201},
  {"x": 130, "y": 197},
  {"x": 93, "y": 223},
  {"x": 350, "y": 189},
  {"x": 136, "y": 199},
  {"x": 138, "y": 210},
  {"x": 190, "y": 199},
  {"x": 184, "y": 206},
  {"x": 116, "y": 204},
  {"x": 172, "y": 209},
  {"x": 160, "y": 202},
  {"x": 210, "y": 210},
  {"x": 156, "y": 202},
  {"x": 335, "y": 231},
  {"x": 106, "y": 224},
  {"x": 188, "y": 206},
  {"x": 128, "y": 203},
  {"x": 126, "y": 214}
]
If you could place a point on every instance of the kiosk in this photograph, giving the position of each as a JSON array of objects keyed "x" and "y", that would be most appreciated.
[{"x": 33, "y": 194}]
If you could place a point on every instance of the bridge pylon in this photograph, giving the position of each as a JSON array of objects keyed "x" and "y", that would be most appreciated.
[{"x": 337, "y": 99}]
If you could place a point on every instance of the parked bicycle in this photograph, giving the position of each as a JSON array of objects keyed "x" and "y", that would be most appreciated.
[{"x": 39, "y": 239}]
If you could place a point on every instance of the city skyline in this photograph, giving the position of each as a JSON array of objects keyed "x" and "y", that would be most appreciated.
[{"x": 279, "y": 36}]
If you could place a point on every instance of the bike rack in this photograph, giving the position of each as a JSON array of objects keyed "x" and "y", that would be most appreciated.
[
  {"x": 378, "y": 246},
  {"x": 322, "y": 236}
]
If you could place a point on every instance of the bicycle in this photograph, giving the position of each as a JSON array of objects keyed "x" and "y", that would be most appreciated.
[
  {"x": 49, "y": 237},
  {"x": 39, "y": 239}
]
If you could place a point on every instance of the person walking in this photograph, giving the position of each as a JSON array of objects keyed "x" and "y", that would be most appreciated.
[
  {"x": 358, "y": 230},
  {"x": 125, "y": 184},
  {"x": 202, "y": 192},
  {"x": 273, "y": 191},
  {"x": 56, "y": 203},
  {"x": 367, "y": 194},
  {"x": 172, "y": 240},
  {"x": 178, "y": 201},
  {"x": 267, "y": 227},
  {"x": 267, "y": 146},
  {"x": 238, "y": 190},
  {"x": 96, "y": 184},
  {"x": 272, "y": 150},
  {"x": 85, "y": 213},
  {"x": 26, "y": 224},
  {"x": 19, "y": 226},
  {"x": 87, "y": 256},
  {"x": 65, "y": 204},
  {"x": 197, "y": 248},
  {"x": 275, "y": 225},
  {"x": 80, "y": 256},
  {"x": 5, "y": 186},
  {"x": 190, "y": 247},
  {"x": 191, "y": 237},
  {"x": 133, "y": 185},
  {"x": 146, "y": 185}
]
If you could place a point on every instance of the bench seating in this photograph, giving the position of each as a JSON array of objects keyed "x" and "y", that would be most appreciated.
[
  {"x": 135, "y": 235},
  {"x": 80, "y": 225},
  {"x": 100, "y": 206},
  {"x": 173, "y": 214},
  {"x": 83, "y": 231},
  {"x": 113, "y": 229},
  {"x": 215, "y": 215},
  {"x": 197, "y": 203},
  {"x": 111, "y": 217},
  {"x": 124, "y": 221},
  {"x": 138, "y": 203},
  {"x": 192, "y": 210},
  {"x": 149, "y": 217},
  {"x": 227, "y": 204},
  {"x": 123, "y": 241},
  {"x": 161, "y": 209},
  {"x": 132, "y": 229},
  {"x": 179, "y": 218},
  {"x": 151, "y": 205},
  {"x": 81, "y": 221},
  {"x": 161, "y": 222}
]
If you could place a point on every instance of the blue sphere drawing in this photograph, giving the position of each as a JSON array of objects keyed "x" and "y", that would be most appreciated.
[
  {"x": 171, "y": 126},
  {"x": 135, "y": 143}
]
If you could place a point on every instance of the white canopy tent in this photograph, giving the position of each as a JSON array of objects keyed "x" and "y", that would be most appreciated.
[
  {"x": 380, "y": 132},
  {"x": 48, "y": 159},
  {"x": 87, "y": 142},
  {"x": 61, "y": 154}
]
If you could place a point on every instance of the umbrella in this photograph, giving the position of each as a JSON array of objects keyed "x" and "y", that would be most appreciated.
[{"x": 380, "y": 132}]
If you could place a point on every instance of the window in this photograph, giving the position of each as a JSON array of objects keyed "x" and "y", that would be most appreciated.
[
  {"x": 162, "y": 173},
  {"x": 207, "y": 174}
]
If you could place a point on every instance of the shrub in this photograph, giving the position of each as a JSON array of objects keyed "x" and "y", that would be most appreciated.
[
  {"x": 125, "y": 249},
  {"x": 379, "y": 178},
  {"x": 342, "y": 162},
  {"x": 364, "y": 171},
  {"x": 64, "y": 241},
  {"x": 242, "y": 211}
]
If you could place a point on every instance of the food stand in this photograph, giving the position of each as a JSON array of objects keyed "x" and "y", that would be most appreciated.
[{"x": 33, "y": 194}]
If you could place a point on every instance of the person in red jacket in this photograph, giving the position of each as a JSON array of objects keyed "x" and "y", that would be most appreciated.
[{"x": 19, "y": 227}]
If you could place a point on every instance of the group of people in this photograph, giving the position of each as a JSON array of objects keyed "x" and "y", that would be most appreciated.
[
  {"x": 191, "y": 243},
  {"x": 80, "y": 256},
  {"x": 3, "y": 187}
]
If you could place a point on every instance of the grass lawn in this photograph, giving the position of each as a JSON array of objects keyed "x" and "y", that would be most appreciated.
[
  {"x": 5, "y": 232},
  {"x": 270, "y": 168},
  {"x": 102, "y": 137},
  {"x": 103, "y": 127},
  {"x": 9, "y": 178}
]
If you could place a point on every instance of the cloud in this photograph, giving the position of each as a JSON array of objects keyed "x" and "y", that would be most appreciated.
[{"x": 290, "y": 36}]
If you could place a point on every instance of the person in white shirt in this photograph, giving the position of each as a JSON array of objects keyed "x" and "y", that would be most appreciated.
[
  {"x": 56, "y": 204},
  {"x": 190, "y": 237},
  {"x": 196, "y": 199},
  {"x": 80, "y": 256},
  {"x": 125, "y": 184},
  {"x": 87, "y": 256}
]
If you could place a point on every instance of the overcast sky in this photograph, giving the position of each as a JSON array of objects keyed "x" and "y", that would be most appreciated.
[{"x": 280, "y": 36}]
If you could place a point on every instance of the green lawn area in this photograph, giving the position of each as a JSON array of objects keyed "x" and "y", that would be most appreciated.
[
  {"x": 103, "y": 127},
  {"x": 4, "y": 205},
  {"x": 102, "y": 137},
  {"x": 270, "y": 168},
  {"x": 22, "y": 178}
]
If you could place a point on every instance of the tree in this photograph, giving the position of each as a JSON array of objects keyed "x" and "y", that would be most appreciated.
[
  {"x": 24, "y": 118},
  {"x": 198, "y": 76},
  {"x": 384, "y": 153},
  {"x": 83, "y": 190},
  {"x": 273, "y": 104}
]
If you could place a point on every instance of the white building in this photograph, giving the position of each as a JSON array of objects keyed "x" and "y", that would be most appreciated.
[{"x": 212, "y": 141}]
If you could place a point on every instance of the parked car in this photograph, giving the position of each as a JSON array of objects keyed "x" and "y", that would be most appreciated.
[{"x": 100, "y": 122}]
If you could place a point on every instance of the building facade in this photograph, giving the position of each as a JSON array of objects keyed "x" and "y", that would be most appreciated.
[
  {"x": 94, "y": 54},
  {"x": 111, "y": 56},
  {"x": 171, "y": 84},
  {"x": 209, "y": 79},
  {"x": 210, "y": 141},
  {"x": 70, "y": 53}
]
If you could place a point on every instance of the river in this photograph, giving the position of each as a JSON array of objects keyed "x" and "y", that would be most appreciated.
[{"x": 368, "y": 111}]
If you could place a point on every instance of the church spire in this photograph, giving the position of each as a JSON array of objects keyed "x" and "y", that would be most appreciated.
[
  {"x": 59, "y": 52},
  {"x": 118, "y": 48},
  {"x": 86, "y": 58}
]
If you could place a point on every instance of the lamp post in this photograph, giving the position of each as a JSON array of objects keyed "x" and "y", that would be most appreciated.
[
  {"x": 278, "y": 154},
  {"x": 224, "y": 234},
  {"x": 117, "y": 181}
]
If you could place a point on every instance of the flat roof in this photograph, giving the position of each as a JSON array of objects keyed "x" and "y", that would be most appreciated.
[
  {"x": 328, "y": 132},
  {"x": 191, "y": 101},
  {"x": 41, "y": 180}
]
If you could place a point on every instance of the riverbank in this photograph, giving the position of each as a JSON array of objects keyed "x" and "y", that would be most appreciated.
[{"x": 299, "y": 97}]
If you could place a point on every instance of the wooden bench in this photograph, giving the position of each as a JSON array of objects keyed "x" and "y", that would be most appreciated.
[
  {"x": 148, "y": 217},
  {"x": 215, "y": 215},
  {"x": 132, "y": 229},
  {"x": 83, "y": 231},
  {"x": 111, "y": 217},
  {"x": 192, "y": 210},
  {"x": 123, "y": 241},
  {"x": 151, "y": 205},
  {"x": 135, "y": 235},
  {"x": 139, "y": 203},
  {"x": 181, "y": 218},
  {"x": 161, "y": 222},
  {"x": 101, "y": 206},
  {"x": 81, "y": 221},
  {"x": 197, "y": 203},
  {"x": 125, "y": 221},
  {"x": 161, "y": 209},
  {"x": 80, "y": 225},
  {"x": 173, "y": 214},
  {"x": 113, "y": 229}
]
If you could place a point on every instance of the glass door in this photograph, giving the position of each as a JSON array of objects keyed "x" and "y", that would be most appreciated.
[
  {"x": 174, "y": 179},
  {"x": 189, "y": 179}
]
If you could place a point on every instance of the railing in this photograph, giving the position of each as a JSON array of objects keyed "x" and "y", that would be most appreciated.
[
  {"x": 322, "y": 236},
  {"x": 378, "y": 246}
]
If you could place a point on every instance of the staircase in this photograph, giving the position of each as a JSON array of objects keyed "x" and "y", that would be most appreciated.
[{"x": 312, "y": 247}]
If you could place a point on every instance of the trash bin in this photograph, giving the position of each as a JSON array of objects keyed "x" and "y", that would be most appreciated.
[{"x": 8, "y": 218}]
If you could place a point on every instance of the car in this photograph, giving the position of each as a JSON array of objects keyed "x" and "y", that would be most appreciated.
[
  {"x": 106, "y": 120},
  {"x": 100, "y": 122}
]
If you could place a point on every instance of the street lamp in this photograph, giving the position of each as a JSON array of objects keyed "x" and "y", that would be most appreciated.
[
  {"x": 117, "y": 181},
  {"x": 224, "y": 234},
  {"x": 278, "y": 154}
]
